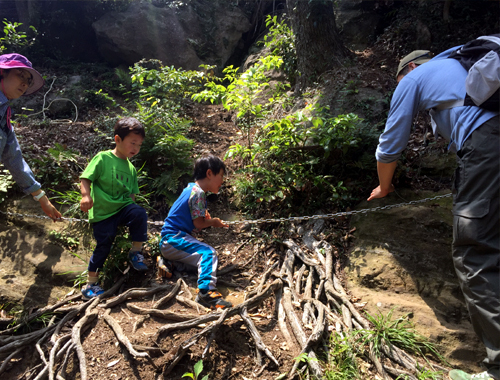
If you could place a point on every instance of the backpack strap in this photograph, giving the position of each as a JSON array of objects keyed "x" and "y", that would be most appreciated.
[
  {"x": 449, "y": 104},
  {"x": 490, "y": 38}
]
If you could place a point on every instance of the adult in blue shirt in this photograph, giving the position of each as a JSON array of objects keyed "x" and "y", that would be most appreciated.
[
  {"x": 437, "y": 84},
  {"x": 18, "y": 78}
]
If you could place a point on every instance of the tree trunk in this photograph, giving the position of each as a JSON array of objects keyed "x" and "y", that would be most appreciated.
[{"x": 318, "y": 45}]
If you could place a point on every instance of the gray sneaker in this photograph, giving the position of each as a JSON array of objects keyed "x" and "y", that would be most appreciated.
[{"x": 456, "y": 374}]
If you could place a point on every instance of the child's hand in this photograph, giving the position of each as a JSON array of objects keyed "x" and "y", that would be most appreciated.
[
  {"x": 216, "y": 222},
  {"x": 86, "y": 203},
  {"x": 207, "y": 215}
]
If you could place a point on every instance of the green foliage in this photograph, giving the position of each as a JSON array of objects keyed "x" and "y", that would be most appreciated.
[
  {"x": 22, "y": 315},
  {"x": 198, "y": 367},
  {"x": 80, "y": 279},
  {"x": 281, "y": 40},
  {"x": 59, "y": 167},
  {"x": 6, "y": 183},
  {"x": 165, "y": 151},
  {"x": 117, "y": 260},
  {"x": 423, "y": 374},
  {"x": 289, "y": 160},
  {"x": 249, "y": 95},
  {"x": 70, "y": 198},
  {"x": 341, "y": 364},
  {"x": 398, "y": 332},
  {"x": 153, "y": 244},
  {"x": 65, "y": 240},
  {"x": 155, "y": 83},
  {"x": 156, "y": 93},
  {"x": 15, "y": 40}
]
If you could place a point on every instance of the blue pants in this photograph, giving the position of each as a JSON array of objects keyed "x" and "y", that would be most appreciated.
[
  {"x": 476, "y": 235},
  {"x": 184, "y": 248},
  {"x": 132, "y": 216}
]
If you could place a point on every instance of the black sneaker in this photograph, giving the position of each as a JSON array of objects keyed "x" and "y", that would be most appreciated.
[
  {"x": 165, "y": 267},
  {"x": 212, "y": 300}
]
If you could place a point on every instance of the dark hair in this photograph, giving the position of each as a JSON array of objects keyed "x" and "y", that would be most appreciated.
[
  {"x": 215, "y": 164},
  {"x": 127, "y": 125},
  {"x": 4, "y": 72}
]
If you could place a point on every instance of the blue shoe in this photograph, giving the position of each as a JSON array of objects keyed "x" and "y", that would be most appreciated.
[
  {"x": 92, "y": 290},
  {"x": 136, "y": 259}
]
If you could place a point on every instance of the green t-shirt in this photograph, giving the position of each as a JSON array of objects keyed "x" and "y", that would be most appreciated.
[{"x": 113, "y": 181}]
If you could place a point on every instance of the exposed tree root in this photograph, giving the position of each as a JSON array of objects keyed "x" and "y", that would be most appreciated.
[{"x": 309, "y": 303}]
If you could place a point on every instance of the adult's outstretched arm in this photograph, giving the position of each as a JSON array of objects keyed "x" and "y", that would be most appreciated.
[{"x": 385, "y": 174}]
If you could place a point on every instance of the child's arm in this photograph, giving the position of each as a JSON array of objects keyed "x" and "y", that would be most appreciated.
[
  {"x": 86, "y": 203},
  {"x": 207, "y": 221},
  {"x": 132, "y": 196}
]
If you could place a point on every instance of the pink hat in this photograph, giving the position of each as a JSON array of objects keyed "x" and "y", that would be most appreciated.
[{"x": 18, "y": 61}]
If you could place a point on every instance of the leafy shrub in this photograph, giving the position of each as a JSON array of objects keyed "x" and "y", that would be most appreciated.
[
  {"x": 281, "y": 40},
  {"x": 249, "y": 94},
  {"x": 153, "y": 82},
  {"x": 15, "y": 40},
  {"x": 59, "y": 167},
  {"x": 165, "y": 151},
  {"x": 296, "y": 160}
]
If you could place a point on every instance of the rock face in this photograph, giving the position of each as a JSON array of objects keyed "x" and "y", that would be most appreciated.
[
  {"x": 33, "y": 271},
  {"x": 183, "y": 37},
  {"x": 357, "y": 22},
  {"x": 401, "y": 261}
]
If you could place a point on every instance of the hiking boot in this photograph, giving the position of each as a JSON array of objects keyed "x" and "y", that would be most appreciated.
[
  {"x": 212, "y": 300},
  {"x": 136, "y": 259},
  {"x": 91, "y": 290},
  {"x": 165, "y": 267},
  {"x": 456, "y": 374}
]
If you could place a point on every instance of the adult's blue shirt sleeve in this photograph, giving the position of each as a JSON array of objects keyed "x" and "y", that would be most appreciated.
[
  {"x": 404, "y": 108},
  {"x": 13, "y": 160}
]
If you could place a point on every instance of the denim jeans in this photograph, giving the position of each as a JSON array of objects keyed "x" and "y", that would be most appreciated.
[{"x": 132, "y": 216}]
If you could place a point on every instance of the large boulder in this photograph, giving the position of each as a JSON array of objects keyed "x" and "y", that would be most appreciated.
[
  {"x": 358, "y": 22},
  {"x": 184, "y": 36}
]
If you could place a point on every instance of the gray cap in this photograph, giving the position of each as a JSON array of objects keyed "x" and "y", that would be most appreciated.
[{"x": 416, "y": 56}]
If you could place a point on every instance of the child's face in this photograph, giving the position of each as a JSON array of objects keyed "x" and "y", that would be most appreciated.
[
  {"x": 16, "y": 82},
  {"x": 129, "y": 146},
  {"x": 215, "y": 180}
]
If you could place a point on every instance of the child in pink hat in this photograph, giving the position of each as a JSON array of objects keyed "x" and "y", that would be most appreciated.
[{"x": 18, "y": 78}]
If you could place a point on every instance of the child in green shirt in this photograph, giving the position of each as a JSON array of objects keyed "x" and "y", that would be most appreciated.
[{"x": 108, "y": 187}]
